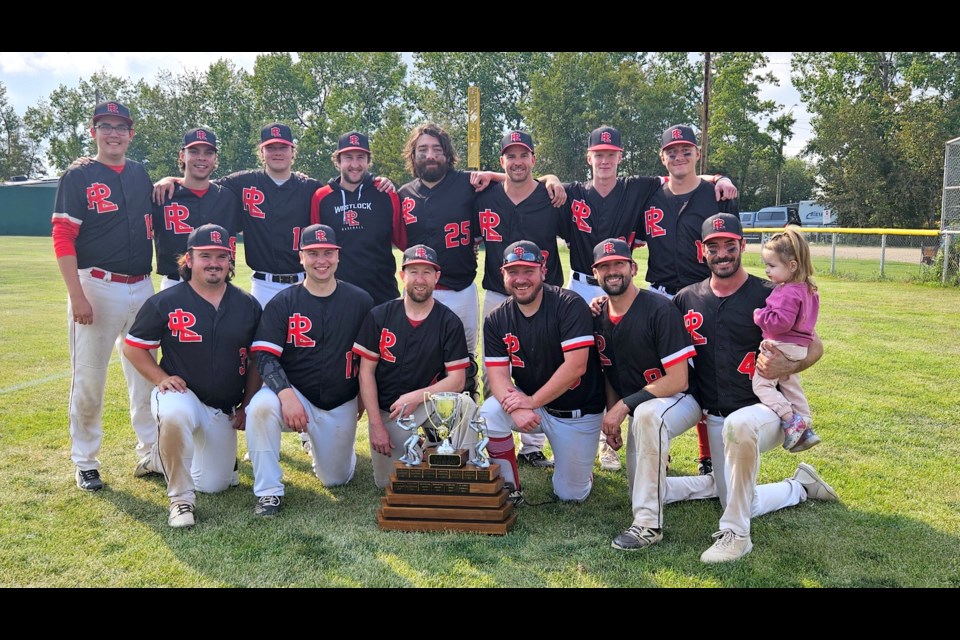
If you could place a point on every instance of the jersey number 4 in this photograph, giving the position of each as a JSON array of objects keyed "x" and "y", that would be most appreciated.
[{"x": 748, "y": 365}]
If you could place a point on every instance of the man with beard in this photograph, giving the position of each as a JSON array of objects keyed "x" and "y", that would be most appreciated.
[
  {"x": 367, "y": 221},
  {"x": 408, "y": 347},
  {"x": 303, "y": 347},
  {"x": 518, "y": 208},
  {"x": 195, "y": 202},
  {"x": 544, "y": 374},
  {"x": 718, "y": 314},
  {"x": 204, "y": 329},
  {"x": 644, "y": 350}
]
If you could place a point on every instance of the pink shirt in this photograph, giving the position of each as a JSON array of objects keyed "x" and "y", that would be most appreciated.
[{"x": 790, "y": 315}]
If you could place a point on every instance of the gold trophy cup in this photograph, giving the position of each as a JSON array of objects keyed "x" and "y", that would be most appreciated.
[{"x": 445, "y": 413}]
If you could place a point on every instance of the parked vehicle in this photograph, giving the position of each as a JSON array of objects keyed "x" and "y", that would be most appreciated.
[{"x": 746, "y": 221}]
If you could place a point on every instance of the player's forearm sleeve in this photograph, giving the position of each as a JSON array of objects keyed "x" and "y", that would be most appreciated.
[
  {"x": 634, "y": 400},
  {"x": 272, "y": 373},
  {"x": 64, "y": 238}
]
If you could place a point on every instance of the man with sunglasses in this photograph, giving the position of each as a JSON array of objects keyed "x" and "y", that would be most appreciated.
[{"x": 102, "y": 239}]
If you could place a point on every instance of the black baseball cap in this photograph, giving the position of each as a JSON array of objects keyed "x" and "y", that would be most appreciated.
[
  {"x": 318, "y": 236},
  {"x": 522, "y": 252},
  {"x": 112, "y": 108},
  {"x": 677, "y": 134},
  {"x": 209, "y": 236},
  {"x": 604, "y": 139},
  {"x": 199, "y": 135},
  {"x": 353, "y": 141},
  {"x": 420, "y": 254},
  {"x": 609, "y": 250},
  {"x": 276, "y": 132},
  {"x": 722, "y": 225},
  {"x": 511, "y": 138}
]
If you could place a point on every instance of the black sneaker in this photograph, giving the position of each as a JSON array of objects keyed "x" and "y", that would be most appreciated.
[
  {"x": 705, "y": 466},
  {"x": 267, "y": 506},
  {"x": 516, "y": 495},
  {"x": 636, "y": 537},
  {"x": 535, "y": 459},
  {"x": 89, "y": 480}
]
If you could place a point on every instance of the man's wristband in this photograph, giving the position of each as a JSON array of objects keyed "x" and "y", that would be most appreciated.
[{"x": 634, "y": 400}]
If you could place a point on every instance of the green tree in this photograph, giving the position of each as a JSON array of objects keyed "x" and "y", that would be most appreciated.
[{"x": 17, "y": 151}]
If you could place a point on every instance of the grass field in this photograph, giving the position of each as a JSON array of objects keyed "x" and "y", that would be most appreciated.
[{"x": 884, "y": 398}]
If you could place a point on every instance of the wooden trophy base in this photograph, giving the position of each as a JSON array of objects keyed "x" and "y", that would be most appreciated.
[{"x": 425, "y": 498}]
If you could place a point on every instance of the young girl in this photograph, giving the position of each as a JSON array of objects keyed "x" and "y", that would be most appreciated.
[{"x": 787, "y": 323}]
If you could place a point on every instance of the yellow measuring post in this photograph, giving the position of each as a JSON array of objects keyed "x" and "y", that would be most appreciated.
[{"x": 473, "y": 128}]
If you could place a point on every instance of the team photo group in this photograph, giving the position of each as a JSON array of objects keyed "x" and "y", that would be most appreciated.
[{"x": 603, "y": 371}]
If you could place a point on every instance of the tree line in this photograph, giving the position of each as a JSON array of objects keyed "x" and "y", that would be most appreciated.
[{"x": 879, "y": 119}]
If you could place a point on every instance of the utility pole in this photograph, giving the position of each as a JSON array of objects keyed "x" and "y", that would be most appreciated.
[{"x": 705, "y": 119}]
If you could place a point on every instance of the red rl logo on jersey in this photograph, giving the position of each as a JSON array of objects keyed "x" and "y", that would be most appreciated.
[
  {"x": 581, "y": 212},
  {"x": 605, "y": 137},
  {"x": 350, "y": 219},
  {"x": 97, "y": 195},
  {"x": 252, "y": 198},
  {"x": 652, "y": 219},
  {"x": 513, "y": 346},
  {"x": 297, "y": 328},
  {"x": 601, "y": 343},
  {"x": 489, "y": 220},
  {"x": 174, "y": 218},
  {"x": 700, "y": 257},
  {"x": 179, "y": 323},
  {"x": 407, "y": 207},
  {"x": 676, "y": 134},
  {"x": 354, "y": 140},
  {"x": 693, "y": 320},
  {"x": 388, "y": 339}
]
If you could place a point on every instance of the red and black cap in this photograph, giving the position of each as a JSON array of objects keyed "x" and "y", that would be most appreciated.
[
  {"x": 722, "y": 225},
  {"x": 112, "y": 108},
  {"x": 604, "y": 139},
  {"x": 522, "y": 252},
  {"x": 353, "y": 141},
  {"x": 209, "y": 236},
  {"x": 611, "y": 249},
  {"x": 521, "y": 138},
  {"x": 318, "y": 236},
  {"x": 276, "y": 132},
  {"x": 198, "y": 136},
  {"x": 420, "y": 254},
  {"x": 677, "y": 134}
]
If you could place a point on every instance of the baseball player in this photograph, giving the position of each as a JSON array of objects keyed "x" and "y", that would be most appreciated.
[
  {"x": 304, "y": 354},
  {"x": 518, "y": 208},
  {"x": 644, "y": 350},
  {"x": 718, "y": 313},
  {"x": 670, "y": 227},
  {"x": 608, "y": 206},
  {"x": 367, "y": 221},
  {"x": 408, "y": 346},
  {"x": 195, "y": 202},
  {"x": 102, "y": 240},
  {"x": 544, "y": 374},
  {"x": 204, "y": 380}
]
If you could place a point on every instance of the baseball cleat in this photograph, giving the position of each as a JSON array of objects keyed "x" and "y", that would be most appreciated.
[
  {"x": 609, "y": 459},
  {"x": 727, "y": 548},
  {"x": 89, "y": 480},
  {"x": 144, "y": 467},
  {"x": 815, "y": 486},
  {"x": 181, "y": 515},
  {"x": 535, "y": 459},
  {"x": 267, "y": 506},
  {"x": 637, "y": 537},
  {"x": 704, "y": 466},
  {"x": 515, "y": 495}
]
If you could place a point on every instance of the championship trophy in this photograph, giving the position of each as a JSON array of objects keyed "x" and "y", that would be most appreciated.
[
  {"x": 413, "y": 455},
  {"x": 482, "y": 459},
  {"x": 445, "y": 411}
]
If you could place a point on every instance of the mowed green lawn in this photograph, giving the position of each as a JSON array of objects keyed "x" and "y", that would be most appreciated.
[{"x": 884, "y": 399}]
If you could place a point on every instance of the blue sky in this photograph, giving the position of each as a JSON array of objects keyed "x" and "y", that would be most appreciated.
[{"x": 31, "y": 76}]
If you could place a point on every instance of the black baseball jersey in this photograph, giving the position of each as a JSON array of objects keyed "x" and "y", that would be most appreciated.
[
  {"x": 533, "y": 347},
  {"x": 671, "y": 227},
  {"x": 445, "y": 219},
  {"x": 594, "y": 218},
  {"x": 502, "y": 223},
  {"x": 208, "y": 347},
  {"x": 313, "y": 338},
  {"x": 106, "y": 215},
  {"x": 636, "y": 348},
  {"x": 272, "y": 217},
  {"x": 182, "y": 213},
  {"x": 411, "y": 357},
  {"x": 367, "y": 223},
  {"x": 726, "y": 339}
]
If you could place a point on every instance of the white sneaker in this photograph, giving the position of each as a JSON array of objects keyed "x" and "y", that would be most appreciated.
[
  {"x": 609, "y": 460},
  {"x": 181, "y": 515},
  {"x": 144, "y": 468},
  {"x": 307, "y": 447},
  {"x": 727, "y": 548},
  {"x": 816, "y": 488}
]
